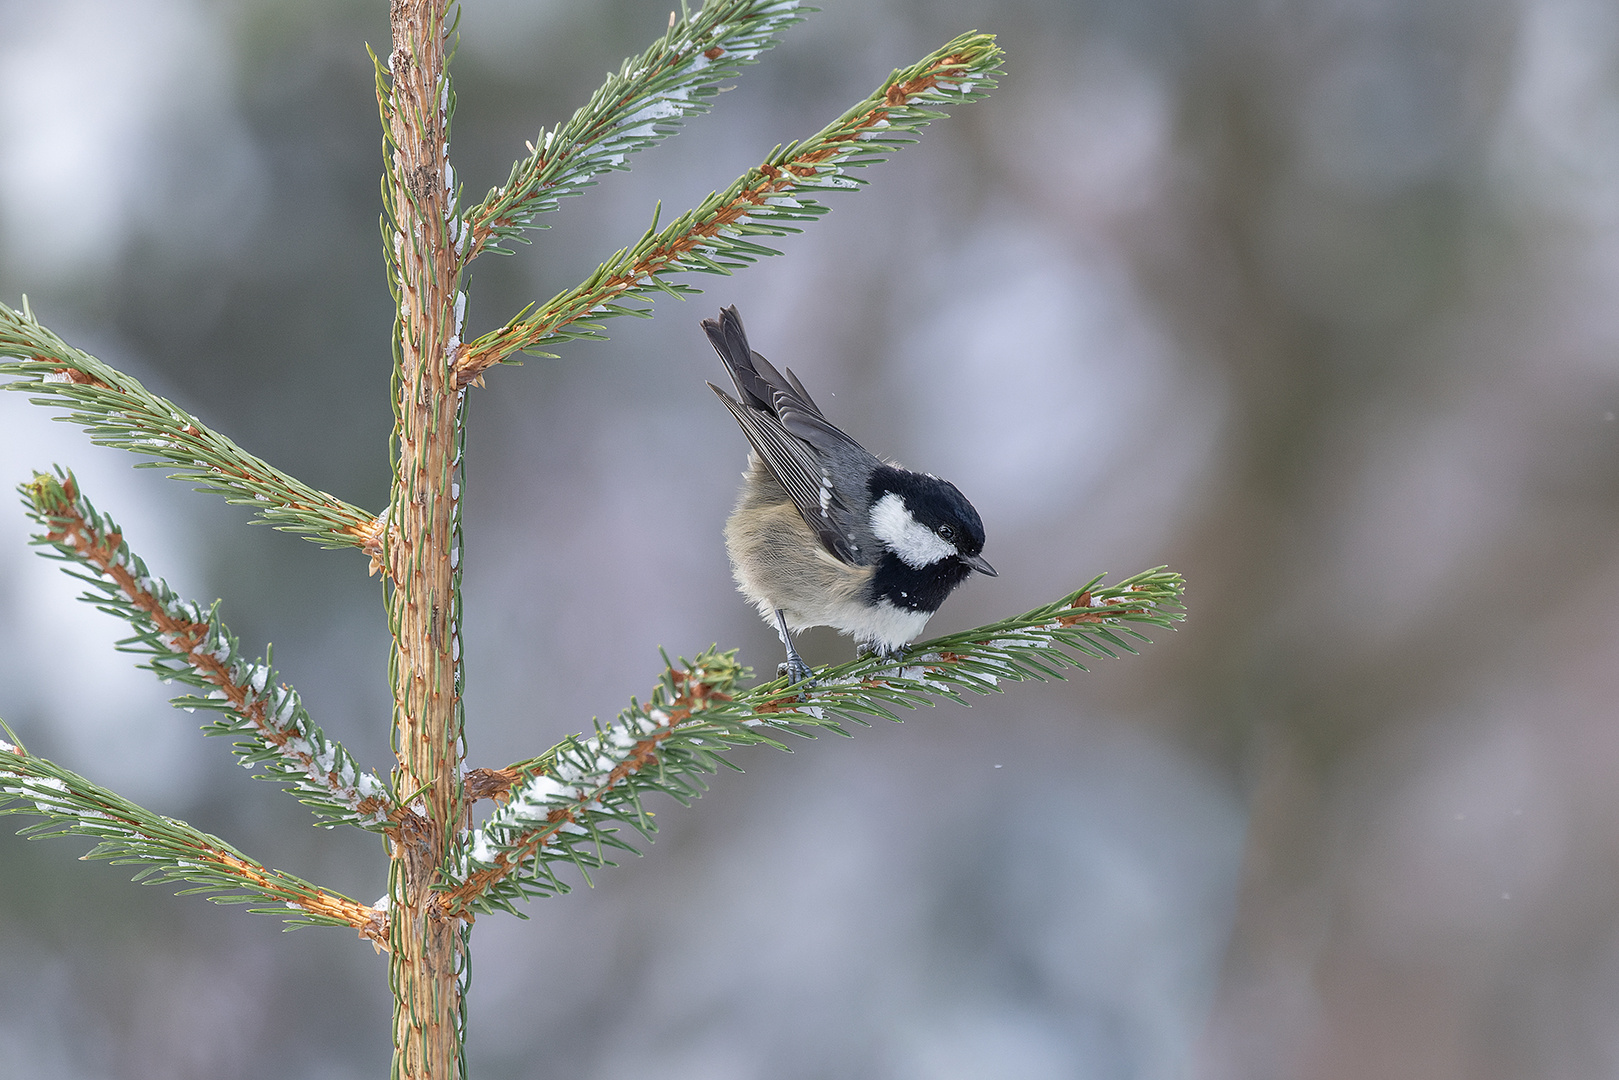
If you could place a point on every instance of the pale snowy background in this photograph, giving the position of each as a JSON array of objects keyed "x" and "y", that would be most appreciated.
[{"x": 1312, "y": 299}]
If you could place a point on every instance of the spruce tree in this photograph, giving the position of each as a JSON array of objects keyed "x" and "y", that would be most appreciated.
[{"x": 562, "y": 814}]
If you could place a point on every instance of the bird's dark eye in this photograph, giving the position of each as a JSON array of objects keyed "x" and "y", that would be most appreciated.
[{"x": 946, "y": 533}]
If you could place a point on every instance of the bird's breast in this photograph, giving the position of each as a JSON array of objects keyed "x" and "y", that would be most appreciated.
[{"x": 913, "y": 588}]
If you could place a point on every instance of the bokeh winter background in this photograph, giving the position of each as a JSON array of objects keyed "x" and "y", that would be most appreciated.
[{"x": 1313, "y": 300}]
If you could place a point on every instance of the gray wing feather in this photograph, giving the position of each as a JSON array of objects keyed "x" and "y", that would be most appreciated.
[
  {"x": 799, "y": 473},
  {"x": 798, "y": 412},
  {"x": 794, "y": 440},
  {"x": 798, "y": 388}
]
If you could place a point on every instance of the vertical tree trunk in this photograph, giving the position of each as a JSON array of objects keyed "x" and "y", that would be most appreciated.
[{"x": 428, "y": 950}]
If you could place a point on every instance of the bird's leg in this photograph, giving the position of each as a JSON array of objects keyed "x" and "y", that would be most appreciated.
[{"x": 795, "y": 669}]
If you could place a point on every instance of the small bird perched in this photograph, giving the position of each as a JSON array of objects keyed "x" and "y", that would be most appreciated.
[{"x": 826, "y": 534}]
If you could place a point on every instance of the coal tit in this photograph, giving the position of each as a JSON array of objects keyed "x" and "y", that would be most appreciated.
[{"x": 826, "y": 534}]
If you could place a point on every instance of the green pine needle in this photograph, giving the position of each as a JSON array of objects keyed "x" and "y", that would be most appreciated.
[
  {"x": 193, "y": 646},
  {"x": 568, "y": 805},
  {"x": 772, "y": 199},
  {"x": 118, "y": 411},
  {"x": 168, "y": 851},
  {"x": 644, "y": 103}
]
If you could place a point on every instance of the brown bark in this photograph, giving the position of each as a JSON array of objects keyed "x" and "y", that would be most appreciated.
[{"x": 427, "y": 954}]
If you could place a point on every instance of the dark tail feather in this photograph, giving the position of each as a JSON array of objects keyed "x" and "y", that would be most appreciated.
[
  {"x": 731, "y": 342},
  {"x": 759, "y": 385}
]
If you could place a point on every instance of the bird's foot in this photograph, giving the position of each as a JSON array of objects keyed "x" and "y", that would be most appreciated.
[{"x": 795, "y": 671}]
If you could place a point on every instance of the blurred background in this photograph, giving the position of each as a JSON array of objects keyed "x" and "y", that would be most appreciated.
[{"x": 1313, "y": 300}]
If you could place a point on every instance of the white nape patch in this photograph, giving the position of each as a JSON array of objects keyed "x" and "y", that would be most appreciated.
[{"x": 915, "y": 543}]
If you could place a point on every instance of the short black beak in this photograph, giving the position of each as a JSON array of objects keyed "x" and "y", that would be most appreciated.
[{"x": 977, "y": 563}]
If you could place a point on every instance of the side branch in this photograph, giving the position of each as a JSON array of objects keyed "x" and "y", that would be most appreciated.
[
  {"x": 766, "y": 201},
  {"x": 568, "y": 805},
  {"x": 169, "y": 851},
  {"x": 642, "y": 104},
  {"x": 118, "y": 411},
  {"x": 190, "y": 646},
  {"x": 569, "y": 794}
]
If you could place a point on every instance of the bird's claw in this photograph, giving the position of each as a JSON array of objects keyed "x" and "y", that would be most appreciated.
[{"x": 795, "y": 671}]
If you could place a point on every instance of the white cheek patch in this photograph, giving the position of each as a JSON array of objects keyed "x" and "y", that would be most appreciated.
[{"x": 906, "y": 537}]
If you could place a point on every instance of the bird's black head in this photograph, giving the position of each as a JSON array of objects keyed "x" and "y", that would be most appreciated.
[{"x": 924, "y": 520}]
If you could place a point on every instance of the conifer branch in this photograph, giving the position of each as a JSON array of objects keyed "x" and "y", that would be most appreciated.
[
  {"x": 191, "y": 646},
  {"x": 636, "y": 108},
  {"x": 767, "y": 200},
  {"x": 569, "y": 805},
  {"x": 168, "y": 851},
  {"x": 118, "y": 411}
]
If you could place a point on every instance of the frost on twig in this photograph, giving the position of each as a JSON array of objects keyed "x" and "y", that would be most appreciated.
[
  {"x": 636, "y": 108},
  {"x": 570, "y": 805},
  {"x": 772, "y": 199},
  {"x": 189, "y": 645},
  {"x": 168, "y": 851}
]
